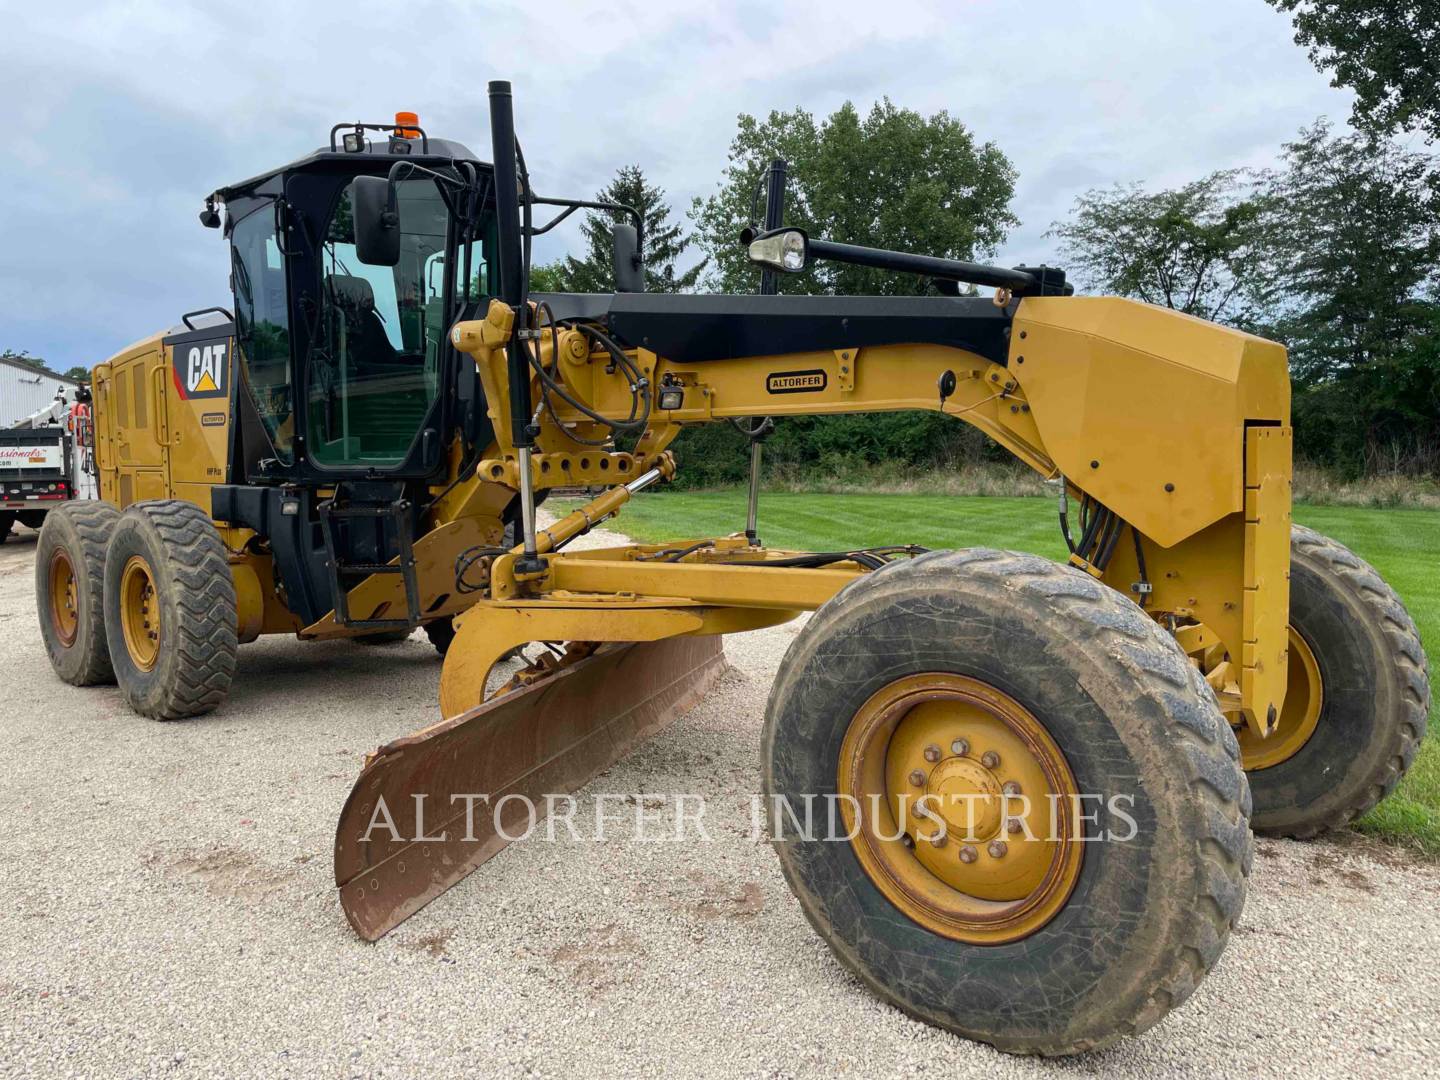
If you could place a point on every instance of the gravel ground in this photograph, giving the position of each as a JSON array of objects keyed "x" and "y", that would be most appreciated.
[{"x": 170, "y": 910}]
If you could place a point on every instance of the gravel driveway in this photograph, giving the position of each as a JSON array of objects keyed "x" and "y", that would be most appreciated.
[{"x": 169, "y": 909}]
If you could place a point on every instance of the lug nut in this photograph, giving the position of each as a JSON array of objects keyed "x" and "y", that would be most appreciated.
[
  {"x": 917, "y": 778},
  {"x": 998, "y": 848},
  {"x": 990, "y": 759},
  {"x": 932, "y": 753},
  {"x": 907, "y": 840},
  {"x": 1014, "y": 825},
  {"x": 1010, "y": 787},
  {"x": 960, "y": 747},
  {"x": 968, "y": 854},
  {"x": 938, "y": 839}
]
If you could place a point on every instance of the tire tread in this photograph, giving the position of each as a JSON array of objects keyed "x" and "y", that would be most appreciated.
[
  {"x": 92, "y": 521},
  {"x": 1407, "y": 654},
  {"x": 1176, "y": 697},
  {"x": 207, "y": 630}
]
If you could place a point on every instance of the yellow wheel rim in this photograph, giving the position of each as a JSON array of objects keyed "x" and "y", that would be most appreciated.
[
  {"x": 966, "y": 808},
  {"x": 64, "y": 598},
  {"x": 1304, "y": 698},
  {"x": 140, "y": 613}
]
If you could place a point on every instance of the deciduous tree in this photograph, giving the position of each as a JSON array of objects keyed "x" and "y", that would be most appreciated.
[
  {"x": 1195, "y": 248},
  {"x": 892, "y": 179},
  {"x": 1387, "y": 51},
  {"x": 1354, "y": 291}
]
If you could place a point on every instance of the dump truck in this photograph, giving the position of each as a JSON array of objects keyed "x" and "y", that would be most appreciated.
[{"x": 1044, "y": 776}]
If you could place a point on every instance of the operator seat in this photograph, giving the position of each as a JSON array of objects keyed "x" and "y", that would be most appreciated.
[{"x": 367, "y": 342}]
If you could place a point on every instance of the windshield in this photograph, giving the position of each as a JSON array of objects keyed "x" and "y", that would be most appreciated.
[{"x": 374, "y": 367}]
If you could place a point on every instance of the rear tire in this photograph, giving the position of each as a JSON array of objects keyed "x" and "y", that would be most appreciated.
[
  {"x": 69, "y": 590},
  {"x": 170, "y": 610},
  {"x": 1374, "y": 690},
  {"x": 7, "y": 522},
  {"x": 1144, "y": 920}
]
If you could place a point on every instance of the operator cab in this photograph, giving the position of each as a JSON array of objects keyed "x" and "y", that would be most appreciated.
[
  {"x": 348, "y": 268},
  {"x": 346, "y": 369}
]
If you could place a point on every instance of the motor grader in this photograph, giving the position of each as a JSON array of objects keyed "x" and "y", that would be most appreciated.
[{"x": 1046, "y": 774}]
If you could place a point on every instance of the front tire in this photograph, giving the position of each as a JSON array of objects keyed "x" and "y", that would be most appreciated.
[
  {"x": 1357, "y": 703},
  {"x": 997, "y": 637},
  {"x": 170, "y": 610}
]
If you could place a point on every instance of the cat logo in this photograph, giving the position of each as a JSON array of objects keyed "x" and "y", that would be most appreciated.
[
  {"x": 205, "y": 369},
  {"x": 795, "y": 382}
]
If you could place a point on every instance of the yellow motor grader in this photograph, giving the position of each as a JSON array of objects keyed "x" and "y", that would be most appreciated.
[{"x": 1046, "y": 775}]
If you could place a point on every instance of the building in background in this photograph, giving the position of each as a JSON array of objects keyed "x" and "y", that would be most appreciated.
[{"x": 25, "y": 390}]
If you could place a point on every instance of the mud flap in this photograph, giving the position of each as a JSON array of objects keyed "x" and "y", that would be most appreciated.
[{"x": 549, "y": 738}]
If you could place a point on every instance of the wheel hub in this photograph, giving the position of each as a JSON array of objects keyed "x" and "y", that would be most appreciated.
[
  {"x": 1299, "y": 717},
  {"x": 140, "y": 613},
  {"x": 967, "y": 817},
  {"x": 64, "y": 598},
  {"x": 967, "y": 796}
]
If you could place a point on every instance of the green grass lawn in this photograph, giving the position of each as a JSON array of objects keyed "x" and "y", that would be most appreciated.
[{"x": 1404, "y": 545}]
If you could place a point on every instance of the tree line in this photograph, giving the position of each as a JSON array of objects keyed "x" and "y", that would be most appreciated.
[{"x": 1335, "y": 252}]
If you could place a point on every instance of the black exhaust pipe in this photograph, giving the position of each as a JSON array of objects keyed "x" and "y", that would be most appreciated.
[
  {"x": 507, "y": 190},
  {"x": 512, "y": 285},
  {"x": 512, "y": 291}
]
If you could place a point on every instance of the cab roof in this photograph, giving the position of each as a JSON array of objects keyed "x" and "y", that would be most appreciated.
[{"x": 425, "y": 151}]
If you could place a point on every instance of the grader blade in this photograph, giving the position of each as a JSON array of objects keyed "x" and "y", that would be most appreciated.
[{"x": 431, "y": 807}]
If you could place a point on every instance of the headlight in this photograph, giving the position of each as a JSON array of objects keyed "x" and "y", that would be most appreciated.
[{"x": 782, "y": 250}]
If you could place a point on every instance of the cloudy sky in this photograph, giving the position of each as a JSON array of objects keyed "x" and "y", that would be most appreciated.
[{"x": 122, "y": 116}]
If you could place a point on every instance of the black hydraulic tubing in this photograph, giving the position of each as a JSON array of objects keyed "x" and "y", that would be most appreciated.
[
  {"x": 1089, "y": 523},
  {"x": 1109, "y": 550}
]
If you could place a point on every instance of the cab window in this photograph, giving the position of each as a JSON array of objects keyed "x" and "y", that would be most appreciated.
[
  {"x": 262, "y": 320},
  {"x": 375, "y": 367}
]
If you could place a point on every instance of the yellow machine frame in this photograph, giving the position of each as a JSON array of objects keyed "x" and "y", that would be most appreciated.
[{"x": 1178, "y": 425}]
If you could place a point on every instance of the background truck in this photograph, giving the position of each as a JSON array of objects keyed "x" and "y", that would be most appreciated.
[{"x": 43, "y": 462}]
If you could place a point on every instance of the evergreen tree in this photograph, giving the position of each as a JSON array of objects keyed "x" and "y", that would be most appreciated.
[{"x": 663, "y": 243}]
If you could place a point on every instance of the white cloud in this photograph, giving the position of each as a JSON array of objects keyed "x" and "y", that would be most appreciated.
[{"x": 123, "y": 115}]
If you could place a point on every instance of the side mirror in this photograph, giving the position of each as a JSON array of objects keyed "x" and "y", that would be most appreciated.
[
  {"x": 377, "y": 221},
  {"x": 786, "y": 250},
  {"x": 629, "y": 266}
]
